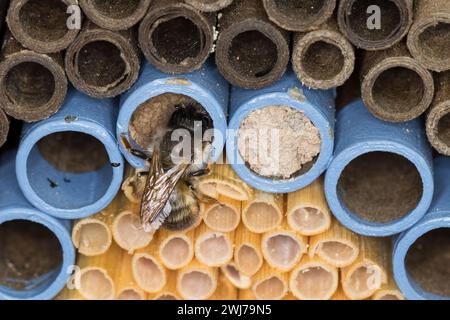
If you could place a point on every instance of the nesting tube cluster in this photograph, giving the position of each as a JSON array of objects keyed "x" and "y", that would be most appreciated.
[
  {"x": 380, "y": 181},
  {"x": 37, "y": 251}
]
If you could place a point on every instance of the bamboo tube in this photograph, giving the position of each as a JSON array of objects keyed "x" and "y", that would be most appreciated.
[
  {"x": 428, "y": 39},
  {"x": 223, "y": 215},
  {"x": 438, "y": 119},
  {"x": 225, "y": 291},
  {"x": 307, "y": 210},
  {"x": 176, "y": 249},
  {"x": 32, "y": 85},
  {"x": 251, "y": 51},
  {"x": 4, "y": 127},
  {"x": 126, "y": 286},
  {"x": 305, "y": 15},
  {"x": 169, "y": 292},
  {"x": 264, "y": 212},
  {"x": 237, "y": 278},
  {"x": 128, "y": 232},
  {"x": 213, "y": 248},
  {"x": 247, "y": 253},
  {"x": 223, "y": 181},
  {"x": 270, "y": 284},
  {"x": 338, "y": 246},
  {"x": 283, "y": 248},
  {"x": 175, "y": 37},
  {"x": 197, "y": 281},
  {"x": 148, "y": 271},
  {"x": 323, "y": 59},
  {"x": 388, "y": 291},
  {"x": 103, "y": 63},
  {"x": 97, "y": 274},
  {"x": 115, "y": 15},
  {"x": 209, "y": 5},
  {"x": 368, "y": 273},
  {"x": 314, "y": 279},
  {"x": 42, "y": 25},
  {"x": 375, "y": 24},
  {"x": 395, "y": 87}
]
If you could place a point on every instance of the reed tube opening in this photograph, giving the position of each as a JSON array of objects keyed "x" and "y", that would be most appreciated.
[
  {"x": 148, "y": 273},
  {"x": 337, "y": 252},
  {"x": 130, "y": 294},
  {"x": 214, "y": 188},
  {"x": 356, "y": 23},
  {"x": 96, "y": 284},
  {"x": 238, "y": 279},
  {"x": 380, "y": 187},
  {"x": 32, "y": 86},
  {"x": 314, "y": 282},
  {"x": 438, "y": 121},
  {"x": 209, "y": 5},
  {"x": 308, "y": 220},
  {"x": 196, "y": 285},
  {"x": 362, "y": 281},
  {"x": 175, "y": 37},
  {"x": 282, "y": 250},
  {"x": 102, "y": 63},
  {"x": 41, "y": 25},
  {"x": 31, "y": 258},
  {"x": 4, "y": 127},
  {"x": 299, "y": 15},
  {"x": 213, "y": 249},
  {"x": 91, "y": 237},
  {"x": 427, "y": 262},
  {"x": 248, "y": 259},
  {"x": 388, "y": 295},
  {"x": 115, "y": 14},
  {"x": 222, "y": 217},
  {"x": 128, "y": 232},
  {"x": 176, "y": 251},
  {"x": 270, "y": 288},
  {"x": 261, "y": 217}
]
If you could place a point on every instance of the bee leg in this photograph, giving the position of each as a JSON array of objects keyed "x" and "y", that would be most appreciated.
[
  {"x": 130, "y": 149},
  {"x": 202, "y": 172}
]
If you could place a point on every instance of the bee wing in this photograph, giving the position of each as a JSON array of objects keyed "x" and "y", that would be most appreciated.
[{"x": 158, "y": 190}]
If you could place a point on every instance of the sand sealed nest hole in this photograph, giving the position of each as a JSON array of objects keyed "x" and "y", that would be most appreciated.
[
  {"x": 428, "y": 261},
  {"x": 380, "y": 187},
  {"x": 278, "y": 142},
  {"x": 30, "y": 255},
  {"x": 91, "y": 237}
]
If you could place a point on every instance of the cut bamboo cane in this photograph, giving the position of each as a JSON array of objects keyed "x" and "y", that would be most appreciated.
[
  {"x": 225, "y": 289},
  {"x": 237, "y": 278},
  {"x": 302, "y": 15},
  {"x": 263, "y": 213},
  {"x": 175, "y": 37},
  {"x": 223, "y": 215},
  {"x": 429, "y": 37},
  {"x": 368, "y": 273},
  {"x": 314, "y": 279},
  {"x": 209, "y": 5},
  {"x": 126, "y": 286},
  {"x": 197, "y": 281},
  {"x": 270, "y": 284},
  {"x": 323, "y": 59},
  {"x": 213, "y": 248},
  {"x": 4, "y": 127},
  {"x": 251, "y": 51},
  {"x": 438, "y": 119},
  {"x": 307, "y": 210},
  {"x": 128, "y": 232},
  {"x": 176, "y": 249},
  {"x": 283, "y": 248},
  {"x": 338, "y": 246},
  {"x": 375, "y": 24},
  {"x": 247, "y": 251},
  {"x": 223, "y": 181},
  {"x": 42, "y": 26},
  {"x": 389, "y": 290},
  {"x": 32, "y": 85},
  {"x": 115, "y": 15},
  {"x": 103, "y": 63},
  {"x": 394, "y": 86},
  {"x": 97, "y": 273},
  {"x": 169, "y": 292},
  {"x": 148, "y": 271}
]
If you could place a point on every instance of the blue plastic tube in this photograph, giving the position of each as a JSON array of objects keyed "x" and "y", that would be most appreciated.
[
  {"x": 206, "y": 86},
  {"x": 13, "y": 207},
  {"x": 317, "y": 105},
  {"x": 87, "y": 193},
  {"x": 359, "y": 133},
  {"x": 438, "y": 217}
]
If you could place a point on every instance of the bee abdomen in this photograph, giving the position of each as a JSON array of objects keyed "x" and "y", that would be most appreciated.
[{"x": 185, "y": 210}]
